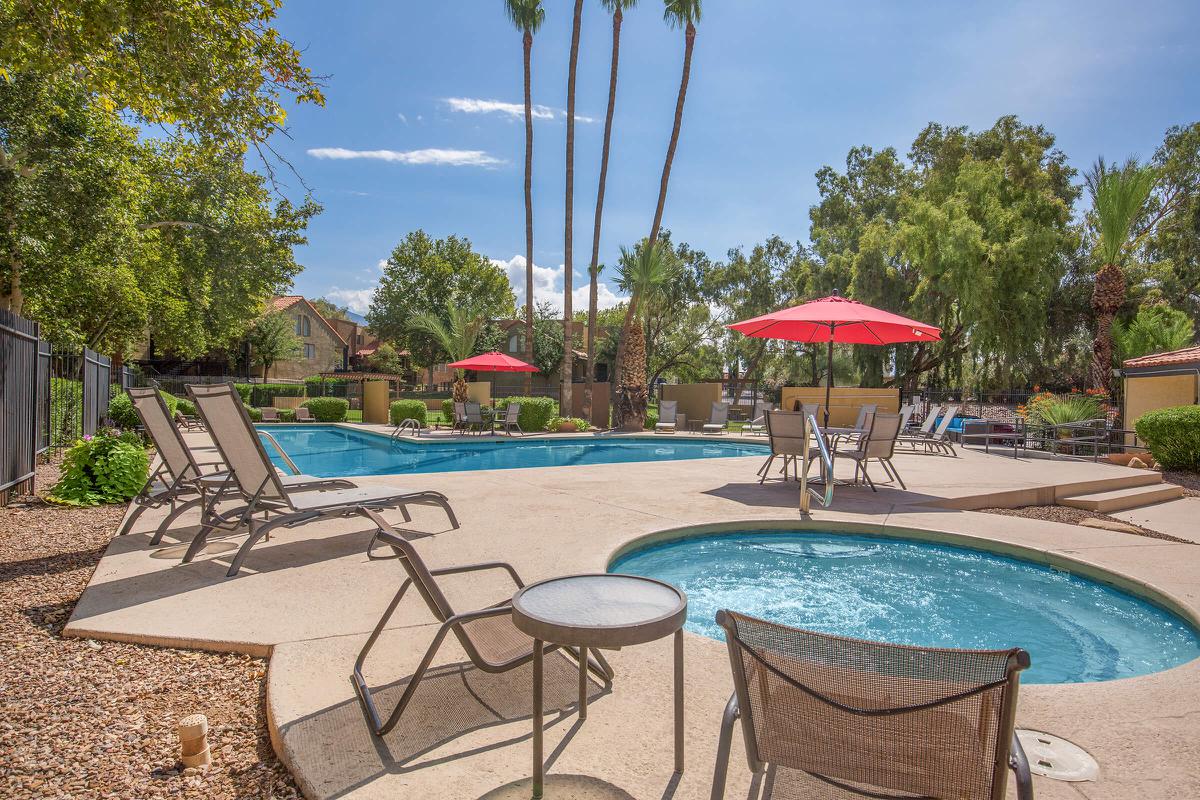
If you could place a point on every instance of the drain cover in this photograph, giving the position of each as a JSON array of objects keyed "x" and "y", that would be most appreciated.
[{"x": 1053, "y": 757}]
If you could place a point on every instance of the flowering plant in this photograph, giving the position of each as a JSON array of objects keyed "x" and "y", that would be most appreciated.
[{"x": 109, "y": 467}]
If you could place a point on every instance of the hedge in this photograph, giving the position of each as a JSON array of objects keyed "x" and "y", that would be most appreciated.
[
  {"x": 120, "y": 410},
  {"x": 535, "y": 411},
  {"x": 1173, "y": 436},
  {"x": 262, "y": 394},
  {"x": 255, "y": 413},
  {"x": 556, "y": 423},
  {"x": 185, "y": 406},
  {"x": 448, "y": 410},
  {"x": 401, "y": 410},
  {"x": 327, "y": 409},
  {"x": 651, "y": 417}
]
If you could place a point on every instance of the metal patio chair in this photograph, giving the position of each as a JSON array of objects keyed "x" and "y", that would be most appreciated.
[
  {"x": 758, "y": 422},
  {"x": 789, "y": 439},
  {"x": 511, "y": 420},
  {"x": 487, "y": 635},
  {"x": 718, "y": 419},
  {"x": 830, "y": 717},
  {"x": 877, "y": 444},
  {"x": 668, "y": 416},
  {"x": 253, "y": 476},
  {"x": 270, "y": 414},
  {"x": 304, "y": 415}
]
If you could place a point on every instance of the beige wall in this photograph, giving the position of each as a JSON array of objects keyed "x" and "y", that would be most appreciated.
[
  {"x": 480, "y": 392},
  {"x": 844, "y": 402},
  {"x": 1148, "y": 392},
  {"x": 376, "y": 402},
  {"x": 286, "y": 402},
  {"x": 695, "y": 399},
  {"x": 326, "y": 346}
]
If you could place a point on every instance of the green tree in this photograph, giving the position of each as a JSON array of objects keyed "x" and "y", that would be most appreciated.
[
  {"x": 617, "y": 9},
  {"x": 272, "y": 340},
  {"x": 1119, "y": 198},
  {"x": 426, "y": 276},
  {"x": 387, "y": 360},
  {"x": 330, "y": 309},
  {"x": 642, "y": 273},
  {"x": 1169, "y": 270},
  {"x": 527, "y": 16},
  {"x": 547, "y": 338},
  {"x": 455, "y": 334},
  {"x": 1155, "y": 329}
]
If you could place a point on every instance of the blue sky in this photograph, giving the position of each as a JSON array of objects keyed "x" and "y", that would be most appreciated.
[{"x": 423, "y": 127}]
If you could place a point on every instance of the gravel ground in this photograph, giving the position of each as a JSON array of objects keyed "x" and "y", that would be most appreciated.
[
  {"x": 1073, "y": 516},
  {"x": 91, "y": 719},
  {"x": 1190, "y": 481}
]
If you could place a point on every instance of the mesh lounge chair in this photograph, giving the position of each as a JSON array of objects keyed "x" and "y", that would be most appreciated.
[
  {"x": 860, "y": 425},
  {"x": 460, "y": 417},
  {"x": 511, "y": 419},
  {"x": 473, "y": 417},
  {"x": 878, "y": 444},
  {"x": 906, "y": 412},
  {"x": 789, "y": 441},
  {"x": 758, "y": 425},
  {"x": 938, "y": 441},
  {"x": 926, "y": 425},
  {"x": 829, "y": 717},
  {"x": 189, "y": 422},
  {"x": 181, "y": 481},
  {"x": 488, "y": 636},
  {"x": 668, "y": 417},
  {"x": 253, "y": 476},
  {"x": 304, "y": 415},
  {"x": 718, "y": 419},
  {"x": 270, "y": 414}
]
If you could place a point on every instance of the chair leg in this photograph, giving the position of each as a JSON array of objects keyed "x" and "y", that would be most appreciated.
[
  {"x": 894, "y": 472},
  {"x": 1019, "y": 763},
  {"x": 863, "y": 466},
  {"x": 724, "y": 742},
  {"x": 176, "y": 512},
  {"x": 127, "y": 525}
]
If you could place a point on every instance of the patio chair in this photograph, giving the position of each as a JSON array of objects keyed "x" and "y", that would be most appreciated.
[
  {"x": 253, "y": 476},
  {"x": 758, "y": 424},
  {"x": 718, "y": 419},
  {"x": 668, "y": 417},
  {"x": 304, "y": 415},
  {"x": 939, "y": 440},
  {"x": 831, "y": 717},
  {"x": 181, "y": 477},
  {"x": 511, "y": 419},
  {"x": 460, "y": 418},
  {"x": 927, "y": 424},
  {"x": 859, "y": 427},
  {"x": 473, "y": 417},
  {"x": 878, "y": 444},
  {"x": 906, "y": 412},
  {"x": 789, "y": 440},
  {"x": 189, "y": 422},
  {"x": 270, "y": 414},
  {"x": 487, "y": 635}
]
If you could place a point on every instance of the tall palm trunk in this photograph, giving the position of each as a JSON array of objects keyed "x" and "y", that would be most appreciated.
[
  {"x": 527, "y": 41},
  {"x": 564, "y": 394},
  {"x": 594, "y": 267},
  {"x": 689, "y": 44},
  {"x": 1108, "y": 296}
]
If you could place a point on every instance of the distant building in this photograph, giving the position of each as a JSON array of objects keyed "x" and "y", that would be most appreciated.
[{"x": 322, "y": 346}]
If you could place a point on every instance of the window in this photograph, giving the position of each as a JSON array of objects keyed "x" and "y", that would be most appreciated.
[
  {"x": 310, "y": 351},
  {"x": 303, "y": 326},
  {"x": 514, "y": 343}
]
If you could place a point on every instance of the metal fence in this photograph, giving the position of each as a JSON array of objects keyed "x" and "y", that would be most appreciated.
[{"x": 20, "y": 439}]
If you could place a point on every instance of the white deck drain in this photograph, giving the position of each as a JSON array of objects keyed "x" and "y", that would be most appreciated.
[{"x": 1053, "y": 757}]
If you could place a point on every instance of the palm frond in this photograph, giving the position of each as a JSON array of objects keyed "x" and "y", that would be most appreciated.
[
  {"x": 644, "y": 271},
  {"x": 526, "y": 15},
  {"x": 1158, "y": 329},
  {"x": 456, "y": 337},
  {"x": 681, "y": 13},
  {"x": 1118, "y": 198},
  {"x": 612, "y": 5}
]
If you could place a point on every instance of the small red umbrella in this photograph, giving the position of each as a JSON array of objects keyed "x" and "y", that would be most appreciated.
[{"x": 837, "y": 319}]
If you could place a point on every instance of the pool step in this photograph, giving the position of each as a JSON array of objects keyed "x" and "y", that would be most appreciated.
[{"x": 1123, "y": 499}]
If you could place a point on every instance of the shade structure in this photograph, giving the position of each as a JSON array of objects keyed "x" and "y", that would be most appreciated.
[
  {"x": 493, "y": 362},
  {"x": 837, "y": 319}
]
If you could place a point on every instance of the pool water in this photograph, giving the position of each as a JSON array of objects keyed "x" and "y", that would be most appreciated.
[
  {"x": 330, "y": 451},
  {"x": 918, "y": 593}
]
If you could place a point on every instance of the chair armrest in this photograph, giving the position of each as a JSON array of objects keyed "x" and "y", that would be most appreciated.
[
  {"x": 1018, "y": 762},
  {"x": 467, "y": 616},
  {"x": 512, "y": 573}
]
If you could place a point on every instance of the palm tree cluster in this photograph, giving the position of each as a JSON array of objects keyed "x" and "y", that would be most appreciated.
[{"x": 630, "y": 398}]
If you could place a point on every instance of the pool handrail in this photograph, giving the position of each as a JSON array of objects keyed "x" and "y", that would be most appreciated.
[
  {"x": 279, "y": 449},
  {"x": 807, "y": 494}
]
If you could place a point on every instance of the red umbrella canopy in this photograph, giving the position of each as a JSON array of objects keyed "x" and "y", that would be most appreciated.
[
  {"x": 837, "y": 319},
  {"x": 493, "y": 362}
]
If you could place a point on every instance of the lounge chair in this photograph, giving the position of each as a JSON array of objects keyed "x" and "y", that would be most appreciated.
[
  {"x": 789, "y": 440},
  {"x": 252, "y": 476},
  {"x": 269, "y": 414},
  {"x": 939, "y": 440},
  {"x": 855, "y": 432},
  {"x": 304, "y": 415},
  {"x": 831, "y": 717},
  {"x": 487, "y": 635},
  {"x": 906, "y": 412},
  {"x": 927, "y": 424},
  {"x": 189, "y": 422},
  {"x": 758, "y": 425},
  {"x": 718, "y": 419},
  {"x": 668, "y": 417},
  {"x": 877, "y": 444},
  {"x": 183, "y": 482},
  {"x": 511, "y": 419}
]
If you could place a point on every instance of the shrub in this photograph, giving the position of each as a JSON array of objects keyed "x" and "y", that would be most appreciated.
[
  {"x": 184, "y": 406},
  {"x": 556, "y": 423},
  {"x": 448, "y": 410},
  {"x": 401, "y": 410},
  {"x": 105, "y": 468},
  {"x": 327, "y": 409},
  {"x": 535, "y": 411},
  {"x": 263, "y": 394},
  {"x": 255, "y": 413},
  {"x": 651, "y": 418},
  {"x": 1173, "y": 436},
  {"x": 244, "y": 389},
  {"x": 120, "y": 410},
  {"x": 287, "y": 415}
]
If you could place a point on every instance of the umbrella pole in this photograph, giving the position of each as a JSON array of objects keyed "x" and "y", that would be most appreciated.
[{"x": 828, "y": 376}]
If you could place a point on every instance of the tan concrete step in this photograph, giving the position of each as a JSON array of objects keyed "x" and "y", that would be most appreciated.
[{"x": 1121, "y": 499}]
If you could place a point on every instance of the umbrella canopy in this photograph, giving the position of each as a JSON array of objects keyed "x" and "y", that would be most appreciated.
[
  {"x": 493, "y": 362},
  {"x": 837, "y": 319}
]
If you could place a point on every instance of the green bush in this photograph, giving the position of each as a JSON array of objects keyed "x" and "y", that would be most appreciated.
[
  {"x": 556, "y": 422},
  {"x": 120, "y": 410},
  {"x": 263, "y": 394},
  {"x": 401, "y": 410},
  {"x": 316, "y": 386},
  {"x": 255, "y": 413},
  {"x": 184, "y": 406},
  {"x": 535, "y": 411},
  {"x": 287, "y": 415},
  {"x": 105, "y": 468},
  {"x": 66, "y": 411},
  {"x": 1173, "y": 436},
  {"x": 244, "y": 389},
  {"x": 327, "y": 409},
  {"x": 651, "y": 418},
  {"x": 448, "y": 410}
]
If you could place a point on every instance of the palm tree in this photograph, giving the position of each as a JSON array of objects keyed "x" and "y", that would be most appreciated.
[
  {"x": 642, "y": 274},
  {"x": 564, "y": 394},
  {"x": 617, "y": 7},
  {"x": 1118, "y": 201},
  {"x": 456, "y": 337},
  {"x": 527, "y": 16},
  {"x": 678, "y": 14}
]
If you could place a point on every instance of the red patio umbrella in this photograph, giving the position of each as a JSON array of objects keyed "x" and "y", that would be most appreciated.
[
  {"x": 493, "y": 362},
  {"x": 837, "y": 319}
]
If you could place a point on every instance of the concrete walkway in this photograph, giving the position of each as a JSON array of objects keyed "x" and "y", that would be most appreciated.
[
  {"x": 308, "y": 598},
  {"x": 1178, "y": 518}
]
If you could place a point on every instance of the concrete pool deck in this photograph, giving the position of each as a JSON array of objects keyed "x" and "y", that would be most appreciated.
[{"x": 308, "y": 598}]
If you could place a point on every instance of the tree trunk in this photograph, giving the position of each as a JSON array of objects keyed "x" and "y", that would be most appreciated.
[
  {"x": 566, "y": 370},
  {"x": 593, "y": 269},
  {"x": 635, "y": 395},
  {"x": 689, "y": 39},
  {"x": 527, "y": 41},
  {"x": 1108, "y": 296}
]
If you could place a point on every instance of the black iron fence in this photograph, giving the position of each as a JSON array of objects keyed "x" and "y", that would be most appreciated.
[{"x": 20, "y": 409}]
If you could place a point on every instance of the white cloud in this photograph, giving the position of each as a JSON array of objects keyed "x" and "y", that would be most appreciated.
[
  {"x": 403, "y": 118},
  {"x": 437, "y": 156},
  {"x": 471, "y": 105},
  {"x": 357, "y": 300},
  {"x": 548, "y": 285}
]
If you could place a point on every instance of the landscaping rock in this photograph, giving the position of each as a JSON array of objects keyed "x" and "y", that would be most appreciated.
[{"x": 1109, "y": 525}]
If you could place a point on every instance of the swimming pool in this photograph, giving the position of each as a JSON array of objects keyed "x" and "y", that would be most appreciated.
[
  {"x": 330, "y": 451},
  {"x": 913, "y": 592}
]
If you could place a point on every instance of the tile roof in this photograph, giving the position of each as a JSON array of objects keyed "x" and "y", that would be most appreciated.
[
  {"x": 1188, "y": 355},
  {"x": 286, "y": 301}
]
